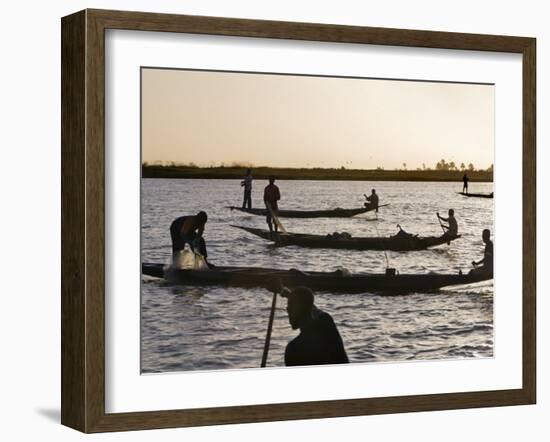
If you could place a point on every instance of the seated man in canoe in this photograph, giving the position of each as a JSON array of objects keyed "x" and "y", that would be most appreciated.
[
  {"x": 404, "y": 235},
  {"x": 372, "y": 200},
  {"x": 189, "y": 230},
  {"x": 319, "y": 342},
  {"x": 484, "y": 265},
  {"x": 451, "y": 229},
  {"x": 271, "y": 197}
]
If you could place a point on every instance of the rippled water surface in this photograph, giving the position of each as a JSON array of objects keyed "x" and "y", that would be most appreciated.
[{"x": 205, "y": 328}]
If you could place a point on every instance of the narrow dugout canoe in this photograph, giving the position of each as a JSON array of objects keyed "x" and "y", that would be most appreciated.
[
  {"x": 331, "y": 213},
  {"x": 398, "y": 243},
  {"x": 477, "y": 195},
  {"x": 333, "y": 282}
]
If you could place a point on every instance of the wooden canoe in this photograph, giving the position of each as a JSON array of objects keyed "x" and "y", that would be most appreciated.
[
  {"x": 332, "y": 282},
  {"x": 477, "y": 195},
  {"x": 398, "y": 243},
  {"x": 330, "y": 213}
]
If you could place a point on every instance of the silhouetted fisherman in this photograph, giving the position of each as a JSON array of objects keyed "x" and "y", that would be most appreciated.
[
  {"x": 319, "y": 342},
  {"x": 271, "y": 197},
  {"x": 452, "y": 228},
  {"x": 485, "y": 265},
  {"x": 247, "y": 184},
  {"x": 189, "y": 230},
  {"x": 465, "y": 180},
  {"x": 372, "y": 200}
]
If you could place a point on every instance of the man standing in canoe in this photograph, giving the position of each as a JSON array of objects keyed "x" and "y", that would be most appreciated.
[
  {"x": 465, "y": 180},
  {"x": 372, "y": 200},
  {"x": 452, "y": 228},
  {"x": 271, "y": 197},
  {"x": 189, "y": 230},
  {"x": 247, "y": 184},
  {"x": 485, "y": 265},
  {"x": 319, "y": 342}
]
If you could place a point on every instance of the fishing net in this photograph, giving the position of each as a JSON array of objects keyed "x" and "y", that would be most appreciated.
[{"x": 186, "y": 259}]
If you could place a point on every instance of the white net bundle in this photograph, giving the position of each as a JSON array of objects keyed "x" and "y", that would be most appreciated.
[{"x": 186, "y": 259}]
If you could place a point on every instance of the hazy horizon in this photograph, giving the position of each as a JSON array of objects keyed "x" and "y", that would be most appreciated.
[{"x": 274, "y": 120}]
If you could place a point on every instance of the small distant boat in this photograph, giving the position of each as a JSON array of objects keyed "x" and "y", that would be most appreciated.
[
  {"x": 333, "y": 282},
  {"x": 477, "y": 195},
  {"x": 330, "y": 213},
  {"x": 398, "y": 243}
]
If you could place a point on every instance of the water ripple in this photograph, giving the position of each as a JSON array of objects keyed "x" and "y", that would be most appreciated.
[{"x": 212, "y": 328}]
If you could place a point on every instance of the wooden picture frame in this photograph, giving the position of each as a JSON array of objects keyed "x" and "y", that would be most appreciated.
[{"x": 83, "y": 220}]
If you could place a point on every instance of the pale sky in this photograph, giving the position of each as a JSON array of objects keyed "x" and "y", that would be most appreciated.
[{"x": 291, "y": 121}]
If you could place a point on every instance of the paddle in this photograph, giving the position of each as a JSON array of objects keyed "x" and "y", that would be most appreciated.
[
  {"x": 275, "y": 218},
  {"x": 440, "y": 223},
  {"x": 442, "y": 228},
  {"x": 269, "y": 328}
]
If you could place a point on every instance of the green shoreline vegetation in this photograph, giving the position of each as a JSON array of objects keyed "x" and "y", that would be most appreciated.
[{"x": 443, "y": 172}]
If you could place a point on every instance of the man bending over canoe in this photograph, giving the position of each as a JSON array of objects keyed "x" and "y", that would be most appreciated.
[
  {"x": 485, "y": 265},
  {"x": 319, "y": 342},
  {"x": 452, "y": 228},
  {"x": 271, "y": 196},
  {"x": 189, "y": 230}
]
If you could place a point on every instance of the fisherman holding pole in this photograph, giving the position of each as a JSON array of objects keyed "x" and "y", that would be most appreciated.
[
  {"x": 247, "y": 184},
  {"x": 465, "y": 180},
  {"x": 319, "y": 342},
  {"x": 271, "y": 196}
]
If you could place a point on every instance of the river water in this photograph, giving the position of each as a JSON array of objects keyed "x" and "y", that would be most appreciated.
[{"x": 208, "y": 328}]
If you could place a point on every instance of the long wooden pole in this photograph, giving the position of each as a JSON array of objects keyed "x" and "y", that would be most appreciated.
[
  {"x": 269, "y": 328},
  {"x": 275, "y": 218},
  {"x": 442, "y": 228},
  {"x": 440, "y": 223}
]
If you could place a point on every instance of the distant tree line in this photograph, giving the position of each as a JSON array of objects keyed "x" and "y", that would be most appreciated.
[
  {"x": 441, "y": 165},
  {"x": 444, "y": 165},
  {"x": 192, "y": 165},
  {"x": 451, "y": 166}
]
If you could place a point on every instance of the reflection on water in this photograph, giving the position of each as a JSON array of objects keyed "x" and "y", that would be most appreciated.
[{"x": 205, "y": 328}]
